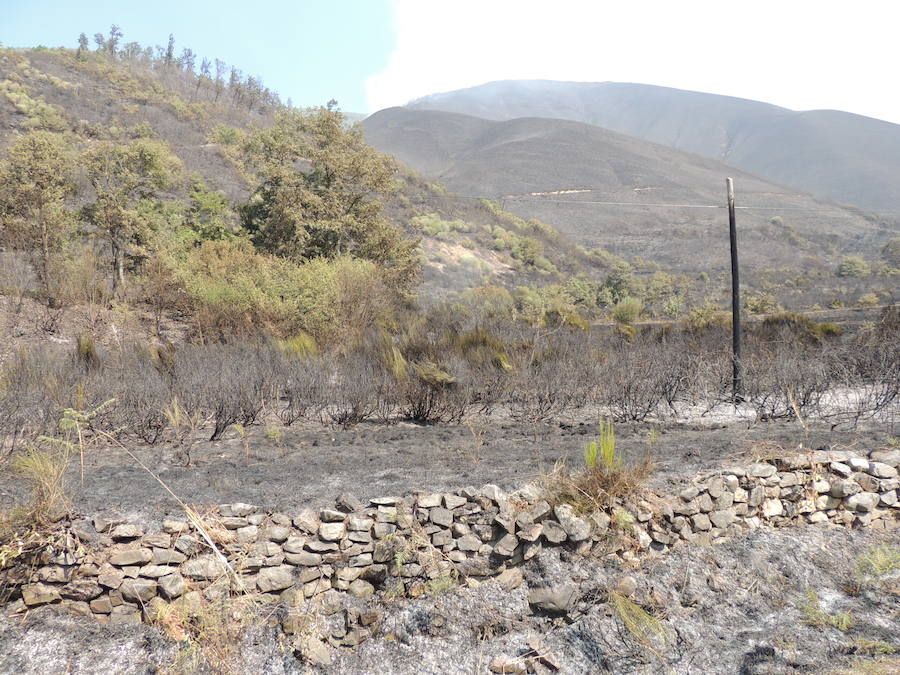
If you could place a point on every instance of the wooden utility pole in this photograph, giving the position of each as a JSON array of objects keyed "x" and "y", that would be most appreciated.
[{"x": 737, "y": 379}]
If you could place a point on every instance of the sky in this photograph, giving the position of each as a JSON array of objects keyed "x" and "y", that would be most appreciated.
[{"x": 372, "y": 54}]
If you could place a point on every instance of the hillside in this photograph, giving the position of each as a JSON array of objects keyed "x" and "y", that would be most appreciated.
[
  {"x": 845, "y": 157},
  {"x": 203, "y": 122},
  {"x": 516, "y": 158}
]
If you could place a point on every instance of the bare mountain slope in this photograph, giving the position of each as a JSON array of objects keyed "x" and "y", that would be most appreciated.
[
  {"x": 845, "y": 157},
  {"x": 511, "y": 159}
]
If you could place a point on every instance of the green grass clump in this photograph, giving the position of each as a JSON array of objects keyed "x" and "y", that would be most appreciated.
[
  {"x": 603, "y": 447},
  {"x": 877, "y": 562},
  {"x": 814, "y": 615}
]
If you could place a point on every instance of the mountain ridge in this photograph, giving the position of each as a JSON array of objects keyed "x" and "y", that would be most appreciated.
[{"x": 844, "y": 156}]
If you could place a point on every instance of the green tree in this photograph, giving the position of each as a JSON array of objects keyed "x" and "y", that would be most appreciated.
[
  {"x": 122, "y": 175},
  {"x": 891, "y": 252},
  {"x": 35, "y": 184},
  {"x": 318, "y": 194},
  {"x": 853, "y": 266},
  {"x": 83, "y": 46}
]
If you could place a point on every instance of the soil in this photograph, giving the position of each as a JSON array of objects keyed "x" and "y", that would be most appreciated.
[{"x": 289, "y": 468}]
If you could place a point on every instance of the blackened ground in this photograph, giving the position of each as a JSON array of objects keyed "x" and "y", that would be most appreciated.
[
  {"x": 288, "y": 468},
  {"x": 740, "y": 607}
]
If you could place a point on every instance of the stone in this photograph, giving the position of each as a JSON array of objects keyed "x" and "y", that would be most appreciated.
[
  {"x": 494, "y": 493},
  {"x": 303, "y": 559},
  {"x": 531, "y": 532},
  {"x": 741, "y": 495},
  {"x": 135, "y": 556},
  {"x": 888, "y": 498},
  {"x": 163, "y": 556},
  {"x": 441, "y": 538},
  {"x": 54, "y": 574},
  {"x": 757, "y": 495},
  {"x": 101, "y": 605},
  {"x": 862, "y": 501},
  {"x": 382, "y": 530},
  {"x": 348, "y": 503},
  {"x": 687, "y": 508},
  {"x": 689, "y": 493},
  {"x": 626, "y": 586},
  {"x": 715, "y": 487},
  {"x": 510, "y": 579},
  {"x": 844, "y": 488},
  {"x": 277, "y": 533},
  {"x": 207, "y": 567},
  {"x": 175, "y": 526},
  {"x": 359, "y": 524},
  {"x": 721, "y": 519},
  {"x": 246, "y": 534},
  {"x": 441, "y": 516},
  {"x": 452, "y": 501},
  {"x": 315, "y": 652},
  {"x": 386, "y": 514},
  {"x": 294, "y": 544},
  {"x": 468, "y": 542},
  {"x": 428, "y": 500},
  {"x": 234, "y": 523},
  {"x": 554, "y": 532},
  {"x": 127, "y": 532},
  {"x": 331, "y": 516},
  {"x": 506, "y": 546},
  {"x": 238, "y": 509},
  {"x": 307, "y": 521},
  {"x": 508, "y": 665},
  {"x": 700, "y": 521},
  {"x": 125, "y": 614},
  {"x": 272, "y": 579},
  {"x": 841, "y": 469},
  {"x": 154, "y": 571},
  {"x": 858, "y": 463},
  {"x": 817, "y": 517},
  {"x": 316, "y": 587},
  {"x": 138, "y": 590},
  {"x": 332, "y": 531},
  {"x": 705, "y": 503},
  {"x": 761, "y": 470},
  {"x": 772, "y": 508},
  {"x": 361, "y": 589},
  {"x": 171, "y": 586},
  {"x": 110, "y": 578},
  {"x": 39, "y": 594},
  {"x": 788, "y": 479},
  {"x": 104, "y": 523},
  {"x": 539, "y": 511},
  {"x": 826, "y": 502},
  {"x": 576, "y": 528},
  {"x": 187, "y": 545},
  {"x": 881, "y": 470},
  {"x": 558, "y": 599},
  {"x": 159, "y": 540}
]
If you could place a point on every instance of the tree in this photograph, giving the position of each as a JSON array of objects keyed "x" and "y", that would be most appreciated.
[
  {"x": 204, "y": 74},
  {"x": 122, "y": 175},
  {"x": 853, "y": 266},
  {"x": 317, "y": 195},
  {"x": 100, "y": 41},
  {"x": 220, "y": 81},
  {"x": 187, "y": 59},
  {"x": 83, "y": 46},
  {"x": 169, "y": 55},
  {"x": 35, "y": 184},
  {"x": 112, "y": 44}
]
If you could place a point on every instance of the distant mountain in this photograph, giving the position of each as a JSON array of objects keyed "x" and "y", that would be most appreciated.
[
  {"x": 845, "y": 157},
  {"x": 512, "y": 159}
]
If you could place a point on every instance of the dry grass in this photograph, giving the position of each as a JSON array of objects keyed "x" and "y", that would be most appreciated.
[{"x": 595, "y": 488}]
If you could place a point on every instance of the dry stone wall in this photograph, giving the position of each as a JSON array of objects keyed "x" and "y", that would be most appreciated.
[{"x": 120, "y": 571}]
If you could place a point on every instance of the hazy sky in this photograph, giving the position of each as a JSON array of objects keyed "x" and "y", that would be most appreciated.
[{"x": 370, "y": 54}]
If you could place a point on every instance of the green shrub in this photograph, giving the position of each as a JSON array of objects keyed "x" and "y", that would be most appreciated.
[
  {"x": 853, "y": 266},
  {"x": 627, "y": 311}
]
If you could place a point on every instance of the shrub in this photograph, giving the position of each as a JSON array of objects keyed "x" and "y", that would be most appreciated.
[
  {"x": 627, "y": 311},
  {"x": 853, "y": 266}
]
